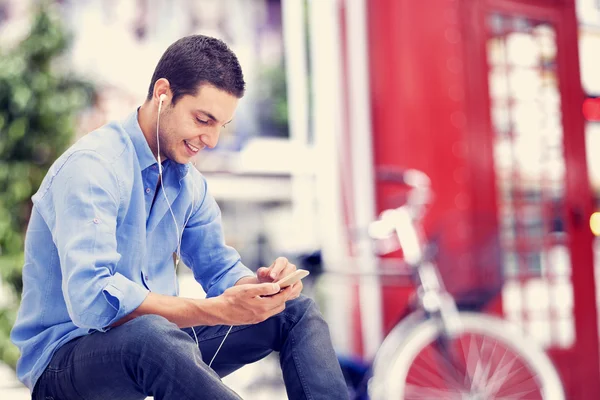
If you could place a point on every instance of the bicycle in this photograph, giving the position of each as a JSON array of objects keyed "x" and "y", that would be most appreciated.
[{"x": 439, "y": 352}]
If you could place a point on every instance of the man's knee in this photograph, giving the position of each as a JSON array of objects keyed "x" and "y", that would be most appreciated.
[
  {"x": 147, "y": 325},
  {"x": 301, "y": 307},
  {"x": 153, "y": 335}
]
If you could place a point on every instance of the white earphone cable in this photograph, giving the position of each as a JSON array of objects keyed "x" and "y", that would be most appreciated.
[
  {"x": 162, "y": 185},
  {"x": 221, "y": 345},
  {"x": 180, "y": 236}
]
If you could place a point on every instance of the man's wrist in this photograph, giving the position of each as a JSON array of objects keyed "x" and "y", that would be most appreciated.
[
  {"x": 209, "y": 310},
  {"x": 247, "y": 280}
]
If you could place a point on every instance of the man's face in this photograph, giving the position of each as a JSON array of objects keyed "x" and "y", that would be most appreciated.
[{"x": 194, "y": 122}]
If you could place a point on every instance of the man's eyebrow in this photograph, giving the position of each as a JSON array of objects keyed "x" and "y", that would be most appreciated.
[{"x": 212, "y": 117}]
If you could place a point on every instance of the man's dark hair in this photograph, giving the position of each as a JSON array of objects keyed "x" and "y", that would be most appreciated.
[{"x": 195, "y": 60}]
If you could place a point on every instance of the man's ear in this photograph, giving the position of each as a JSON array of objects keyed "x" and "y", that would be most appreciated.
[{"x": 162, "y": 92}]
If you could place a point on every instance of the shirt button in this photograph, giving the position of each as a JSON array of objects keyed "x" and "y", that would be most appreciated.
[
  {"x": 146, "y": 277},
  {"x": 148, "y": 190}
]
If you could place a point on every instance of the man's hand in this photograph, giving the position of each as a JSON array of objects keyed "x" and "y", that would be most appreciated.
[
  {"x": 278, "y": 270},
  {"x": 239, "y": 305},
  {"x": 253, "y": 303},
  {"x": 251, "y": 300}
]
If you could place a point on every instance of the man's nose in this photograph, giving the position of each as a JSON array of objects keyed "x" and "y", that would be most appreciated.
[{"x": 211, "y": 139}]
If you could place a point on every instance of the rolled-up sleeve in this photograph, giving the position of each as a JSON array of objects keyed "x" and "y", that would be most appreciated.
[
  {"x": 215, "y": 265},
  {"x": 85, "y": 199}
]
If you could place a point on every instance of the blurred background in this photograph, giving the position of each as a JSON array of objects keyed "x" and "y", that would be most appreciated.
[{"x": 497, "y": 101}]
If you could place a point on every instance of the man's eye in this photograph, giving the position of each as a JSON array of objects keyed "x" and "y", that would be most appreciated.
[{"x": 201, "y": 121}]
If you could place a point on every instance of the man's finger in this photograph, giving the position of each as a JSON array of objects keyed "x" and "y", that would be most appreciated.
[
  {"x": 279, "y": 266},
  {"x": 276, "y": 299},
  {"x": 261, "y": 289},
  {"x": 296, "y": 289},
  {"x": 263, "y": 273},
  {"x": 290, "y": 268}
]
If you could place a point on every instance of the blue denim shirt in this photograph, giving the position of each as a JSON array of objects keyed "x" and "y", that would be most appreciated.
[{"x": 96, "y": 243}]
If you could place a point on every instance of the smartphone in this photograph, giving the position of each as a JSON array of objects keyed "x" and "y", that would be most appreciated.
[{"x": 292, "y": 278}]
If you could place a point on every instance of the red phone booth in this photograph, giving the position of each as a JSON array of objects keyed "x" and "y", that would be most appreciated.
[{"x": 485, "y": 97}]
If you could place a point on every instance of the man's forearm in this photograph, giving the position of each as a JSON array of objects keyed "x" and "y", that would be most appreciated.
[{"x": 181, "y": 311}]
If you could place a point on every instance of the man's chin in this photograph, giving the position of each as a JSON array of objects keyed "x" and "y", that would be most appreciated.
[{"x": 184, "y": 159}]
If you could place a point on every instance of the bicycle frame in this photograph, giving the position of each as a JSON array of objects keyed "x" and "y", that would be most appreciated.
[{"x": 404, "y": 223}]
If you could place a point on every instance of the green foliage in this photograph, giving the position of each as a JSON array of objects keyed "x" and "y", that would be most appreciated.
[
  {"x": 39, "y": 102},
  {"x": 272, "y": 102}
]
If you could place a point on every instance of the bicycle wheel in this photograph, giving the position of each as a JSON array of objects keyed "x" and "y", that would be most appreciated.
[{"x": 487, "y": 359}]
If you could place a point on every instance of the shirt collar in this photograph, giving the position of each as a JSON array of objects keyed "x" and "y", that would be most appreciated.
[{"x": 144, "y": 154}]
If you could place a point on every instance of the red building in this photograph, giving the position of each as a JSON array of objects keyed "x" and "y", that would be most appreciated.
[{"x": 485, "y": 96}]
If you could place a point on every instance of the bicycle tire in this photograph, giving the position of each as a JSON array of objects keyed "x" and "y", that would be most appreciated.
[{"x": 406, "y": 341}]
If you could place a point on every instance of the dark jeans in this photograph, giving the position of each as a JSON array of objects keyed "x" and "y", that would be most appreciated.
[{"x": 150, "y": 356}]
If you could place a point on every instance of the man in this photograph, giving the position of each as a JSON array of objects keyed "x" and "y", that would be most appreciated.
[{"x": 100, "y": 317}]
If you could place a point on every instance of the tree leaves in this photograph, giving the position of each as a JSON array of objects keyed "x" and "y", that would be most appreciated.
[{"x": 39, "y": 101}]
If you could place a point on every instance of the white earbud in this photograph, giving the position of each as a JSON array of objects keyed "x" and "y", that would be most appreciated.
[{"x": 161, "y": 99}]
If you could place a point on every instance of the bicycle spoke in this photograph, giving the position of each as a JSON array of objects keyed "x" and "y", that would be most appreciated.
[
  {"x": 481, "y": 380},
  {"x": 496, "y": 370},
  {"x": 420, "y": 383},
  {"x": 422, "y": 368},
  {"x": 427, "y": 373},
  {"x": 472, "y": 357},
  {"x": 509, "y": 376},
  {"x": 496, "y": 383},
  {"x": 416, "y": 392},
  {"x": 488, "y": 367},
  {"x": 512, "y": 396},
  {"x": 522, "y": 384},
  {"x": 465, "y": 355},
  {"x": 450, "y": 367}
]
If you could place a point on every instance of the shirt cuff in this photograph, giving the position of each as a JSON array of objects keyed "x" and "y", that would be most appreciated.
[
  {"x": 124, "y": 296},
  {"x": 238, "y": 272}
]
